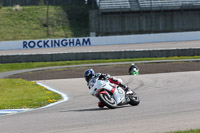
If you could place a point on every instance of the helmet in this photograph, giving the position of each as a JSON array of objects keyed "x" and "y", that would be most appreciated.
[
  {"x": 132, "y": 64},
  {"x": 89, "y": 74}
]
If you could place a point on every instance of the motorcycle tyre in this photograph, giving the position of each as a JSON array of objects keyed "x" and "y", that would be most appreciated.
[
  {"x": 133, "y": 101},
  {"x": 107, "y": 103}
]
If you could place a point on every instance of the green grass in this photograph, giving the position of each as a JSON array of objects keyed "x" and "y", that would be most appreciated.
[
  {"x": 188, "y": 131},
  {"x": 30, "y": 22},
  {"x": 19, "y": 66},
  {"x": 18, "y": 94}
]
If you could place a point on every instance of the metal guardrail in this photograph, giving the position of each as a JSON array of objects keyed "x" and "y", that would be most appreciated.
[{"x": 124, "y": 54}]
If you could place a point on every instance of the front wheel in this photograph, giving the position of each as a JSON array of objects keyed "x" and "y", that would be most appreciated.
[
  {"x": 107, "y": 101},
  {"x": 134, "y": 99}
]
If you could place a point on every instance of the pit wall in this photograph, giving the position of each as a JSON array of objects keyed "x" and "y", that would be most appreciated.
[{"x": 100, "y": 55}]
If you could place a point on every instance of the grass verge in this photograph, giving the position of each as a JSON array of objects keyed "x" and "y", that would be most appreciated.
[
  {"x": 30, "y": 22},
  {"x": 19, "y": 66},
  {"x": 188, "y": 131},
  {"x": 19, "y": 93}
]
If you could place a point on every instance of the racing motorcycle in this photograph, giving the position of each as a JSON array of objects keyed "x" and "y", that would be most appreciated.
[{"x": 112, "y": 95}]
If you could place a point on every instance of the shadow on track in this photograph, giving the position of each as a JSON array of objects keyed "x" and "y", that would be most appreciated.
[
  {"x": 83, "y": 110},
  {"x": 94, "y": 109}
]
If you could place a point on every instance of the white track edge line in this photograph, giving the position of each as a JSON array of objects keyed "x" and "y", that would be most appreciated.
[{"x": 64, "y": 96}]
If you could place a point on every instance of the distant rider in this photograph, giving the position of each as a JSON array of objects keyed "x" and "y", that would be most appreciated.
[
  {"x": 90, "y": 74},
  {"x": 133, "y": 69}
]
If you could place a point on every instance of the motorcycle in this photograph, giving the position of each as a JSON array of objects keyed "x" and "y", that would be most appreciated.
[
  {"x": 112, "y": 95},
  {"x": 134, "y": 72}
]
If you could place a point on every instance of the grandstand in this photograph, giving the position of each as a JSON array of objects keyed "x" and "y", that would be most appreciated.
[
  {"x": 117, "y": 17},
  {"x": 145, "y": 5},
  {"x": 105, "y": 5}
]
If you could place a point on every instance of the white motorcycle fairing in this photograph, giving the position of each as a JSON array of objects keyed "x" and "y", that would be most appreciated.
[{"x": 97, "y": 86}]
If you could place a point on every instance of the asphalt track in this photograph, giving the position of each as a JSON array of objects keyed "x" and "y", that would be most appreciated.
[{"x": 169, "y": 102}]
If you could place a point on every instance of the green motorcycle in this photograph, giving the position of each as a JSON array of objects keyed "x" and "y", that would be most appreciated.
[{"x": 134, "y": 72}]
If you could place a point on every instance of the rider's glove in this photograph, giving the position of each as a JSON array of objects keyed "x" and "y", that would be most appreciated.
[
  {"x": 107, "y": 76},
  {"x": 104, "y": 76}
]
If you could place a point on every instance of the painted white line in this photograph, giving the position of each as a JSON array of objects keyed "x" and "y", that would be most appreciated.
[
  {"x": 13, "y": 111},
  {"x": 64, "y": 96}
]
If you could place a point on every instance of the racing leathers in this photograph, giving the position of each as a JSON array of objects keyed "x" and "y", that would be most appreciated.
[{"x": 113, "y": 80}]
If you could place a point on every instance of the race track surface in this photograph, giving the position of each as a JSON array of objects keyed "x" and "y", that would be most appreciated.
[{"x": 169, "y": 102}]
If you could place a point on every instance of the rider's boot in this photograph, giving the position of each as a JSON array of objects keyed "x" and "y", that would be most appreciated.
[
  {"x": 100, "y": 104},
  {"x": 126, "y": 89},
  {"x": 129, "y": 92}
]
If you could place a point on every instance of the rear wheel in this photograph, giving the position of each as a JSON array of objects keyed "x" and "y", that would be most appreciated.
[
  {"x": 107, "y": 101},
  {"x": 134, "y": 99}
]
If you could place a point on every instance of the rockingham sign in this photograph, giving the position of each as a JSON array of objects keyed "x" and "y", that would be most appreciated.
[
  {"x": 106, "y": 40},
  {"x": 56, "y": 43},
  {"x": 48, "y": 43}
]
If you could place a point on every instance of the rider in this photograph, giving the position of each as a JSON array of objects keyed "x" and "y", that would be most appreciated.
[
  {"x": 132, "y": 69},
  {"x": 90, "y": 74}
]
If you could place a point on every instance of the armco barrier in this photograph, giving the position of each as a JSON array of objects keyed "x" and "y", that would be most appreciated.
[{"x": 99, "y": 55}]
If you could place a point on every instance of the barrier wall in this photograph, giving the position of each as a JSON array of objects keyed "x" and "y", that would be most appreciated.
[
  {"x": 99, "y": 55},
  {"x": 144, "y": 21},
  {"x": 107, "y": 40}
]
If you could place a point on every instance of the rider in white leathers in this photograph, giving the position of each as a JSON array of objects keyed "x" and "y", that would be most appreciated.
[{"x": 90, "y": 74}]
